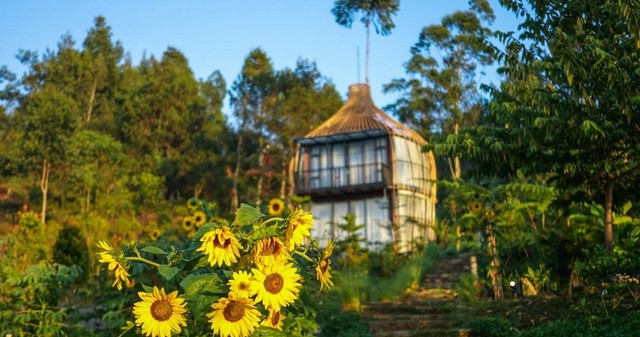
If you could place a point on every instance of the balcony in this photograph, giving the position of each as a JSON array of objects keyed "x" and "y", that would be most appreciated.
[{"x": 340, "y": 180}]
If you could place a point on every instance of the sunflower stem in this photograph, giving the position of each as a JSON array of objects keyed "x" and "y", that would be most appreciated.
[
  {"x": 143, "y": 260},
  {"x": 303, "y": 255},
  {"x": 272, "y": 220}
]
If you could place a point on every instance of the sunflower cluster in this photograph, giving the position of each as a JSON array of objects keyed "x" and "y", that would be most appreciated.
[
  {"x": 257, "y": 261},
  {"x": 201, "y": 213}
]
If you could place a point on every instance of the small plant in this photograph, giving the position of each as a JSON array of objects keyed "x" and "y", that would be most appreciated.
[{"x": 490, "y": 327}]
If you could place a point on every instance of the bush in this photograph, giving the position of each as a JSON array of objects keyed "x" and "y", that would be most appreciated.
[
  {"x": 348, "y": 324},
  {"x": 71, "y": 248},
  {"x": 491, "y": 327}
]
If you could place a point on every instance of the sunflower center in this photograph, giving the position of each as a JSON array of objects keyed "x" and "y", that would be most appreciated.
[
  {"x": 224, "y": 245},
  {"x": 198, "y": 218},
  {"x": 274, "y": 283},
  {"x": 275, "y": 207},
  {"x": 233, "y": 312},
  {"x": 275, "y": 318},
  {"x": 243, "y": 286},
  {"x": 271, "y": 248},
  {"x": 323, "y": 266},
  {"x": 161, "y": 310}
]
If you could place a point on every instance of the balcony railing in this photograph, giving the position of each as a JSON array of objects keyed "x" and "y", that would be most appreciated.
[{"x": 337, "y": 179}]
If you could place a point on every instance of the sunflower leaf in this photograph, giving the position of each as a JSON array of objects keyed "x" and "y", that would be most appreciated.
[
  {"x": 129, "y": 333},
  {"x": 202, "y": 230},
  {"x": 167, "y": 271},
  {"x": 153, "y": 250},
  {"x": 269, "y": 332},
  {"x": 196, "y": 284},
  {"x": 147, "y": 289},
  {"x": 247, "y": 215},
  {"x": 262, "y": 233}
]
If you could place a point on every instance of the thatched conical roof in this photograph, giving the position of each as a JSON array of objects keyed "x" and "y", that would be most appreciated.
[{"x": 361, "y": 116}]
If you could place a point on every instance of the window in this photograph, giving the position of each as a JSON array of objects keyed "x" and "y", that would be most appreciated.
[{"x": 343, "y": 164}]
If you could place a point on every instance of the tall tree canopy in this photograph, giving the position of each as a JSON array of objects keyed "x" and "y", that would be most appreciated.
[
  {"x": 568, "y": 109},
  {"x": 378, "y": 13},
  {"x": 441, "y": 93}
]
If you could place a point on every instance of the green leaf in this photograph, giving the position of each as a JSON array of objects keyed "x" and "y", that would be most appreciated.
[
  {"x": 247, "y": 215},
  {"x": 196, "y": 284},
  {"x": 129, "y": 333},
  {"x": 167, "y": 271},
  {"x": 201, "y": 231},
  {"x": 264, "y": 233},
  {"x": 153, "y": 250},
  {"x": 147, "y": 288},
  {"x": 264, "y": 331}
]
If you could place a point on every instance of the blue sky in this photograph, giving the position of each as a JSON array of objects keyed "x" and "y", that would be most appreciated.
[{"x": 218, "y": 35}]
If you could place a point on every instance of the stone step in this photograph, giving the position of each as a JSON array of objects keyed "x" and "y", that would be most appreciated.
[
  {"x": 417, "y": 322},
  {"x": 453, "y": 332},
  {"x": 424, "y": 307}
]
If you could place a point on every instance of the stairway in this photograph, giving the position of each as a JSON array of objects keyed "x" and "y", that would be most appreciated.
[{"x": 430, "y": 311}]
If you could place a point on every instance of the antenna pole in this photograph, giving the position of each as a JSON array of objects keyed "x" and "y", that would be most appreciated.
[{"x": 358, "y": 61}]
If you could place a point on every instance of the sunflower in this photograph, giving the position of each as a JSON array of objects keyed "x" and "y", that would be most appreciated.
[
  {"x": 476, "y": 207},
  {"x": 274, "y": 320},
  {"x": 188, "y": 224},
  {"x": 240, "y": 285},
  {"x": 160, "y": 314},
  {"x": 199, "y": 218},
  {"x": 234, "y": 317},
  {"x": 276, "y": 207},
  {"x": 269, "y": 251},
  {"x": 114, "y": 260},
  {"x": 194, "y": 204},
  {"x": 323, "y": 268},
  {"x": 299, "y": 227},
  {"x": 490, "y": 214},
  {"x": 276, "y": 286},
  {"x": 154, "y": 235},
  {"x": 221, "y": 246},
  {"x": 219, "y": 220}
]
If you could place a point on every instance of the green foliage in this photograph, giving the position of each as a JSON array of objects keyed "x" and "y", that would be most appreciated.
[
  {"x": 441, "y": 93},
  {"x": 469, "y": 289},
  {"x": 348, "y": 324},
  {"x": 71, "y": 248},
  {"x": 32, "y": 307},
  {"x": 406, "y": 279},
  {"x": 351, "y": 255},
  {"x": 490, "y": 327},
  {"x": 620, "y": 325}
]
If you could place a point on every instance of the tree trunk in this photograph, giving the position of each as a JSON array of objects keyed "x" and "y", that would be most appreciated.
[
  {"x": 457, "y": 171},
  {"x": 292, "y": 183},
  {"x": 608, "y": 218},
  {"x": 366, "y": 57},
  {"x": 261, "y": 170},
  {"x": 92, "y": 97},
  {"x": 44, "y": 187},
  {"x": 495, "y": 273},
  {"x": 284, "y": 177},
  {"x": 236, "y": 172}
]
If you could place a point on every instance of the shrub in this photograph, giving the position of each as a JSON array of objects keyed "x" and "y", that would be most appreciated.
[
  {"x": 490, "y": 327},
  {"x": 349, "y": 324},
  {"x": 71, "y": 248}
]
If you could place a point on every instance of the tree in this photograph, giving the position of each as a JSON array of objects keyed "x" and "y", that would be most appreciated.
[
  {"x": 252, "y": 99},
  {"x": 568, "y": 109},
  {"x": 371, "y": 12},
  {"x": 305, "y": 100},
  {"x": 102, "y": 57},
  {"x": 47, "y": 122},
  {"x": 441, "y": 94}
]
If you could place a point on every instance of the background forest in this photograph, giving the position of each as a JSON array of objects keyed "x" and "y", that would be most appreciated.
[{"x": 537, "y": 174}]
